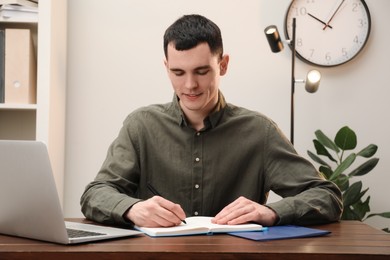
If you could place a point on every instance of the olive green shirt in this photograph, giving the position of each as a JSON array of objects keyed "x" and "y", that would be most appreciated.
[{"x": 238, "y": 153}]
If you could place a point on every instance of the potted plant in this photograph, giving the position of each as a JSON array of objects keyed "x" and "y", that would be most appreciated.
[{"x": 339, "y": 157}]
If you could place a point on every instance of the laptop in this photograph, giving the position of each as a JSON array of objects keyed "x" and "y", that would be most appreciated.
[{"x": 29, "y": 203}]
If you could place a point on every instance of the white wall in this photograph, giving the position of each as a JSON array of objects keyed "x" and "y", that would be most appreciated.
[{"x": 115, "y": 65}]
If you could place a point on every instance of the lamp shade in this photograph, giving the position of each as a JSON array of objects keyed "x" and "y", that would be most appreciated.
[
  {"x": 273, "y": 37},
  {"x": 313, "y": 79}
]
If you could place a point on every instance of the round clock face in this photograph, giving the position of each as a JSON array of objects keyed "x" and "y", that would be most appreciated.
[{"x": 328, "y": 32}]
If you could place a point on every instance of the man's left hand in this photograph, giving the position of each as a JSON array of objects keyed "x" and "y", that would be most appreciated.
[{"x": 243, "y": 210}]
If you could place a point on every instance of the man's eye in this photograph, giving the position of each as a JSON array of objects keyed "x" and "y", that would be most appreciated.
[
  {"x": 202, "y": 72},
  {"x": 178, "y": 73}
]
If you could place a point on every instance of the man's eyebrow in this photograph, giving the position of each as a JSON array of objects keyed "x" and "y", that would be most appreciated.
[
  {"x": 175, "y": 69},
  {"x": 197, "y": 68},
  {"x": 203, "y": 67}
]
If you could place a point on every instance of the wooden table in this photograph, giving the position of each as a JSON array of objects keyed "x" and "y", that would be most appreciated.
[{"x": 348, "y": 240}]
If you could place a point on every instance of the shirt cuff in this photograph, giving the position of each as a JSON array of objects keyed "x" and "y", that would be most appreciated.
[
  {"x": 284, "y": 210},
  {"x": 121, "y": 209}
]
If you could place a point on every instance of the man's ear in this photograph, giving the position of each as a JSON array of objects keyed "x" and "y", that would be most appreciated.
[
  {"x": 166, "y": 66},
  {"x": 224, "y": 64}
]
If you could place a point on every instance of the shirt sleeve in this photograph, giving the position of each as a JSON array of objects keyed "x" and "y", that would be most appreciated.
[
  {"x": 307, "y": 197},
  {"x": 112, "y": 193}
]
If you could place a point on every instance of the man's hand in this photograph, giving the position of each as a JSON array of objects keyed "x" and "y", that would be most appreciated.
[
  {"x": 156, "y": 212},
  {"x": 243, "y": 210}
]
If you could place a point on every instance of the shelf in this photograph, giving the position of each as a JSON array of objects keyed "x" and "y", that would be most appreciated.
[
  {"x": 45, "y": 120},
  {"x": 18, "y": 106},
  {"x": 13, "y": 20},
  {"x": 19, "y": 14},
  {"x": 17, "y": 124}
]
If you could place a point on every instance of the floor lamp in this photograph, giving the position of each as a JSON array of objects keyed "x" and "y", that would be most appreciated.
[{"x": 313, "y": 77}]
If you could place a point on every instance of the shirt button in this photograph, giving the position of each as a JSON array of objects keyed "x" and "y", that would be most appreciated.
[
  {"x": 196, "y": 186},
  {"x": 198, "y": 133},
  {"x": 196, "y": 213},
  {"x": 197, "y": 159}
]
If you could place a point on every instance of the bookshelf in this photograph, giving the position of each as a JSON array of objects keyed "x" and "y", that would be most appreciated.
[{"x": 44, "y": 120}]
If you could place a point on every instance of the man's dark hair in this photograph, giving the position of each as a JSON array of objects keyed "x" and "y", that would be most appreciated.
[{"x": 190, "y": 30}]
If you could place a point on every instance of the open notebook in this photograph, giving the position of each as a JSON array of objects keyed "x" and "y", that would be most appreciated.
[
  {"x": 29, "y": 203},
  {"x": 197, "y": 226}
]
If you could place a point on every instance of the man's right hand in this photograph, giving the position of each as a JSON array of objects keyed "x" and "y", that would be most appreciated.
[{"x": 156, "y": 212}]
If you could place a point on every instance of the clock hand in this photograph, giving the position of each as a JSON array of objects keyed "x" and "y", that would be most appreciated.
[
  {"x": 319, "y": 20},
  {"x": 327, "y": 24}
]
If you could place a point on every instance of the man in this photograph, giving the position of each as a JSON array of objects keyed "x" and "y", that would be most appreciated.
[{"x": 202, "y": 155}]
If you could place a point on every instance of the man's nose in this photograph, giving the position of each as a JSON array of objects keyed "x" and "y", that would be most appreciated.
[{"x": 191, "y": 82}]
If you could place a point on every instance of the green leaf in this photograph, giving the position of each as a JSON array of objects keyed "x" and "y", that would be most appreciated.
[
  {"x": 369, "y": 151},
  {"x": 365, "y": 168},
  {"x": 353, "y": 194},
  {"x": 317, "y": 159},
  {"x": 321, "y": 150},
  {"x": 384, "y": 214},
  {"x": 343, "y": 166},
  {"x": 362, "y": 208},
  {"x": 342, "y": 182},
  {"x": 326, "y": 171},
  {"x": 349, "y": 214},
  {"x": 326, "y": 141},
  {"x": 346, "y": 139}
]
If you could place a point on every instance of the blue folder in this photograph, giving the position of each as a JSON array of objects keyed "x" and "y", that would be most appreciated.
[{"x": 281, "y": 232}]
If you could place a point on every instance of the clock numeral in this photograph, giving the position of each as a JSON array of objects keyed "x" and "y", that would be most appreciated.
[
  {"x": 360, "y": 23},
  {"x": 355, "y": 7},
  {"x": 344, "y": 52},
  {"x": 300, "y": 11},
  {"x": 356, "y": 39},
  {"x": 311, "y": 53},
  {"x": 299, "y": 42},
  {"x": 328, "y": 57}
]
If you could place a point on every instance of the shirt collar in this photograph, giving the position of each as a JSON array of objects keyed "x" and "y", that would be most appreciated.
[{"x": 210, "y": 121}]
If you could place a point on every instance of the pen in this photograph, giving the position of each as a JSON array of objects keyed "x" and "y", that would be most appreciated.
[{"x": 155, "y": 192}]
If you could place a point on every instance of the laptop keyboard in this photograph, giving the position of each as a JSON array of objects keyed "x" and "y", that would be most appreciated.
[{"x": 75, "y": 233}]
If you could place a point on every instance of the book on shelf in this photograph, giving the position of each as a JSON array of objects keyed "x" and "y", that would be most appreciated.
[
  {"x": 18, "y": 13},
  {"x": 20, "y": 67},
  {"x": 29, "y": 3},
  {"x": 2, "y": 65},
  {"x": 198, "y": 225}
]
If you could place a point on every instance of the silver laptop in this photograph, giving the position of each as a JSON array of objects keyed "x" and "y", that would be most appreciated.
[{"x": 29, "y": 203}]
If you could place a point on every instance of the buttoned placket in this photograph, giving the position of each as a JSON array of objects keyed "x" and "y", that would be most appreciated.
[{"x": 197, "y": 174}]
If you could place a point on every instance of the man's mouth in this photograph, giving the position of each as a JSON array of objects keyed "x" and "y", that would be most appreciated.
[{"x": 192, "y": 96}]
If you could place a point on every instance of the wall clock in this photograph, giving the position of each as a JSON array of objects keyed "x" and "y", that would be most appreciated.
[{"x": 328, "y": 32}]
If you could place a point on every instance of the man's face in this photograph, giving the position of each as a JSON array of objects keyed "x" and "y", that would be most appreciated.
[{"x": 195, "y": 75}]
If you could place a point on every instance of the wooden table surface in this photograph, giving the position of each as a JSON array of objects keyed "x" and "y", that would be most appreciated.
[{"x": 348, "y": 240}]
